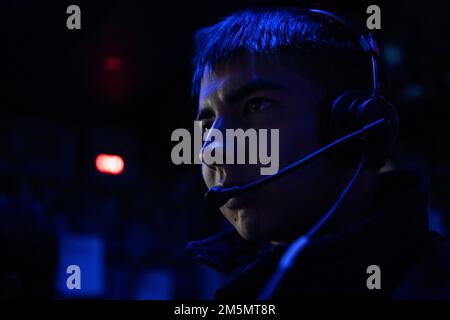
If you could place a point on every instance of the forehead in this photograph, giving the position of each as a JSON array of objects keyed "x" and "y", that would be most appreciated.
[{"x": 229, "y": 77}]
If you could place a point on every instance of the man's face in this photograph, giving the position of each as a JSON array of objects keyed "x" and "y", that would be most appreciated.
[{"x": 262, "y": 94}]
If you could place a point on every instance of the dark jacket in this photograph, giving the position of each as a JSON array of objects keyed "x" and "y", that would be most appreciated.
[{"x": 414, "y": 262}]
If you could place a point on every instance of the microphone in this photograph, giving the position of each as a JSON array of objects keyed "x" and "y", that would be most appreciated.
[{"x": 217, "y": 196}]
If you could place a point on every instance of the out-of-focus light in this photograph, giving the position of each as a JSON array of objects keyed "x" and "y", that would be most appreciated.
[
  {"x": 392, "y": 54},
  {"x": 113, "y": 63},
  {"x": 88, "y": 253},
  {"x": 109, "y": 164},
  {"x": 412, "y": 92}
]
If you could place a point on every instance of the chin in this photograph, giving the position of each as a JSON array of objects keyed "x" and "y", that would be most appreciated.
[
  {"x": 249, "y": 223},
  {"x": 249, "y": 235},
  {"x": 251, "y": 229}
]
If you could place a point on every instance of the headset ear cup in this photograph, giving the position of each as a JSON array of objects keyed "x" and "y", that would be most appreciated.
[
  {"x": 341, "y": 121},
  {"x": 380, "y": 143},
  {"x": 351, "y": 111}
]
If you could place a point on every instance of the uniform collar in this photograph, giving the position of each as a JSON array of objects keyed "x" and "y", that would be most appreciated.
[{"x": 401, "y": 204}]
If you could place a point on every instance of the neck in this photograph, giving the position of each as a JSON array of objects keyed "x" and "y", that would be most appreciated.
[{"x": 354, "y": 208}]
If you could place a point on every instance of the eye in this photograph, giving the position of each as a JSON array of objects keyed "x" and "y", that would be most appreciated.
[{"x": 257, "y": 104}]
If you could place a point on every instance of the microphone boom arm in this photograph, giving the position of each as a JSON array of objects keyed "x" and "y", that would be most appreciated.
[{"x": 218, "y": 196}]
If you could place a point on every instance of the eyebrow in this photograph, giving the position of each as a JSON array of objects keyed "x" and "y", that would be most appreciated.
[{"x": 240, "y": 93}]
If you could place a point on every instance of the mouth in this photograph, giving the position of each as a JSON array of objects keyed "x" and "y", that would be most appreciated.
[{"x": 241, "y": 201}]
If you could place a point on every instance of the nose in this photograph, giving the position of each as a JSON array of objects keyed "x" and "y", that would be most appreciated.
[
  {"x": 214, "y": 149},
  {"x": 212, "y": 144}
]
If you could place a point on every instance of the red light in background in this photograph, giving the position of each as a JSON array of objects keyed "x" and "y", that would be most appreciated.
[
  {"x": 113, "y": 63},
  {"x": 109, "y": 164}
]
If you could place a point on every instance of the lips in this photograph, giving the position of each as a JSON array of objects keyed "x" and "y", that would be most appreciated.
[{"x": 241, "y": 201}]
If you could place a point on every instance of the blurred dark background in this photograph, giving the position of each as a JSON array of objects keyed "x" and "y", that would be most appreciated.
[{"x": 120, "y": 86}]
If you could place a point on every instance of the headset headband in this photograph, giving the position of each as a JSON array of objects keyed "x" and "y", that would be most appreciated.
[{"x": 367, "y": 43}]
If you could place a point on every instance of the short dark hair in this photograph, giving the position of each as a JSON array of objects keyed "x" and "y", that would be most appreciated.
[{"x": 331, "y": 48}]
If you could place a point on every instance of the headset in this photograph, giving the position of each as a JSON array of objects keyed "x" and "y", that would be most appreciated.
[
  {"x": 353, "y": 109},
  {"x": 364, "y": 125},
  {"x": 353, "y": 116}
]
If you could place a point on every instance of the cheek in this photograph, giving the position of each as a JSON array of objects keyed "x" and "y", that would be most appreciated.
[
  {"x": 208, "y": 176},
  {"x": 298, "y": 139},
  {"x": 230, "y": 215}
]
